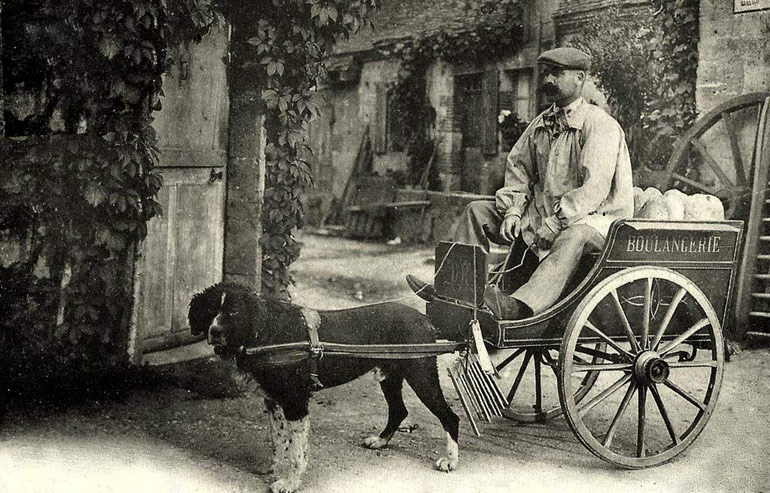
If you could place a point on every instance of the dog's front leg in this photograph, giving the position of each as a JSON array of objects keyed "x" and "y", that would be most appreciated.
[
  {"x": 449, "y": 463},
  {"x": 294, "y": 449},
  {"x": 278, "y": 434}
]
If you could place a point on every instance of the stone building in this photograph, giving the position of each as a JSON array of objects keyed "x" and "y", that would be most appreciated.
[
  {"x": 211, "y": 143},
  {"x": 466, "y": 97},
  {"x": 733, "y": 53}
]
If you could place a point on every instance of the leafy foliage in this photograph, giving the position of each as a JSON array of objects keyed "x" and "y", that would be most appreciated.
[
  {"x": 646, "y": 65},
  {"x": 492, "y": 31},
  {"x": 675, "y": 55},
  {"x": 79, "y": 179},
  {"x": 511, "y": 127},
  {"x": 291, "y": 39}
]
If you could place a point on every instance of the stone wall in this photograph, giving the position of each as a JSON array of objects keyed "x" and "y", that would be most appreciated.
[
  {"x": 436, "y": 222},
  {"x": 2, "y": 98},
  {"x": 734, "y": 53}
]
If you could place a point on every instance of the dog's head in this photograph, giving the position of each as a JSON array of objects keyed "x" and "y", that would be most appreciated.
[{"x": 229, "y": 314}]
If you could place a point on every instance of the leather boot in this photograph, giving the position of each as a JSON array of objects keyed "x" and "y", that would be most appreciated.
[
  {"x": 505, "y": 307},
  {"x": 422, "y": 289}
]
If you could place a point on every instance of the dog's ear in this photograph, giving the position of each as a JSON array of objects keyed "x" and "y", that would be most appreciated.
[
  {"x": 204, "y": 306},
  {"x": 253, "y": 316}
]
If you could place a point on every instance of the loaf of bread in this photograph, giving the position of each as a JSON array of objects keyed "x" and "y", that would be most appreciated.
[{"x": 673, "y": 205}]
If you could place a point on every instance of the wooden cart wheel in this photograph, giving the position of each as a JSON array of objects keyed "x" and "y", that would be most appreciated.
[
  {"x": 664, "y": 351},
  {"x": 528, "y": 379},
  {"x": 732, "y": 125}
]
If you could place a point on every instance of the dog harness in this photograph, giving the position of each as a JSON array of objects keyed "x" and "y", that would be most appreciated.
[{"x": 312, "y": 321}]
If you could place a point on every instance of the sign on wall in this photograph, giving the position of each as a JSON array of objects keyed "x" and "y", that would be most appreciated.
[{"x": 750, "y": 5}]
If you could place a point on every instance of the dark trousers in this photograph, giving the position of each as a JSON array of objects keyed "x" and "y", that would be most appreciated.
[{"x": 545, "y": 280}]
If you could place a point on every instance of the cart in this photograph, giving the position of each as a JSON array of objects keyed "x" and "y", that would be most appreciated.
[{"x": 633, "y": 353}]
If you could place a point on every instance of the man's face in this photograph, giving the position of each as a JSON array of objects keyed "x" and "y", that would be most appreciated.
[{"x": 560, "y": 86}]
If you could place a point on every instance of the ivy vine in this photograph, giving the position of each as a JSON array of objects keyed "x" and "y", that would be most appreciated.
[
  {"x": 80, "y": 184},
  {"x": 291, "y": 40},
  {"x": 83, "y": 79},
  {"x": 493, "y": 31},
  {"x": 646, "y": 64}
]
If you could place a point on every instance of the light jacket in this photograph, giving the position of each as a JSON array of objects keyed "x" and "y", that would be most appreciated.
[{"x": 570, "y": 166}]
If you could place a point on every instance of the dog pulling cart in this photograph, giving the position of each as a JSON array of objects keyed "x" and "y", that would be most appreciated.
[{"x": 635, "y": 347}]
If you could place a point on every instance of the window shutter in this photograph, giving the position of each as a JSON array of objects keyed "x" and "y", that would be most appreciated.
[
  {"x": 489, "y": 95},
  {"x": 380, "y": 119}
]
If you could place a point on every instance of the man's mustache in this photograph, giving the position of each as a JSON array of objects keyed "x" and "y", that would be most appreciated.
[{"x": 548, "y": 88}]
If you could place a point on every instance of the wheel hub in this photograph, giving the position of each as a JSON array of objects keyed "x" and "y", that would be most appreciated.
[{"x": 649, "y": 368}]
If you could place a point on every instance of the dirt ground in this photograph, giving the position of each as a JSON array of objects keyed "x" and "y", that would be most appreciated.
[{"x": 176, "y": 436}]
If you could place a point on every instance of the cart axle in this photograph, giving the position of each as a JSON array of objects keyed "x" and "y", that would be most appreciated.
[{"x": 650, "y": 368}]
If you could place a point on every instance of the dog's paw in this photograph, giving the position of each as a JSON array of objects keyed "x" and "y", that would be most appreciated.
[
  {"x": 284, "y": 486},
  {"x": 374, "y": 442},
  {"x": 446, "y": 464}
]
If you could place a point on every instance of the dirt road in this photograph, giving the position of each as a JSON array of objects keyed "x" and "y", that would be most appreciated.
[{"x": 171, "y": 439}]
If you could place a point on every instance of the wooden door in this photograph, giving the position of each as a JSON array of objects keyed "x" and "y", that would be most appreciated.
[
  {"x": 468, "y": 89},
  {"x": 184, "y": 249},
  {"x": 181, "y": 255},
  {"x": 478, "y": 99}
]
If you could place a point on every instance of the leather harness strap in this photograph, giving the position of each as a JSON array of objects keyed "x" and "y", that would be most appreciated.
[{"x": 312, "y": 321}]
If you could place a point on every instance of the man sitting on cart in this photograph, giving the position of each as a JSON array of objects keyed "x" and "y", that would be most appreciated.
[{"x": 566, "y": 179}]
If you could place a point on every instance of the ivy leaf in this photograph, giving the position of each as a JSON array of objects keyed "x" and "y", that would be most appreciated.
[
  {"x": 109, "y": 46},
  {"x": 94, "y": 194}
]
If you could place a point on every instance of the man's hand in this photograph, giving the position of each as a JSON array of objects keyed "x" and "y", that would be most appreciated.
[
  {"x": 510, "y": 229},
  {"x": 544, "y": 237}
]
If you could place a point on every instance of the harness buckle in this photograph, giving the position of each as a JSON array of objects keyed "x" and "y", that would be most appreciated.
[{"x": 316, "y": 351}]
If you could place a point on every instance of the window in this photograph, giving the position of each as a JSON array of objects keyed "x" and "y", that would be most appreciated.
[
  {"x": 516, "y": 93},
  {"x": 395, "y": 133},
  {"x": 468, "y": 90}
]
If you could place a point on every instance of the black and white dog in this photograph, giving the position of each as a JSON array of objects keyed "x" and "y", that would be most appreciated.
[{"x": 234, "y": 316}]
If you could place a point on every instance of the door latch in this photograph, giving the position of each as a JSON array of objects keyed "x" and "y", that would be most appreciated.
[{"x": 215, "y": 175}]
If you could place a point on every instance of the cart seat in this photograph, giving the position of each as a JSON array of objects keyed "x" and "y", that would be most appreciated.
[{"x": 461, "y": 279}]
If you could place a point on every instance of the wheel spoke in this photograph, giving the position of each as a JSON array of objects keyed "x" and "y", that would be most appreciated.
[
  {"x": 577, "y": 359},
  {"x": 646, "y": 315},
  {"x": 686, "y": 395},
  {"x": 667, "y": 318},
  {"x": 732, "y": 134},
  {"x": 519, "y": 376},
  {"x": 692, "y": 330},
  {"x": 602, "y": 367},
  {"x": 709, "y": 159},
  {"x": 538, "y": 387},
  {"x": 664, "y": 414},
  {"x": 640, "y": 452},
  {"x": 619, "y": 414},
  {"x": 597, "y": 353},
  {"x": 604, "y": 394},
  {"x": 609, "y": 341},
  {"x": 510, "y": 358},
  {"x": 693, "y": 364},
  {"x": 700, "y": 186},
  {"x": 626, "y": 325}
]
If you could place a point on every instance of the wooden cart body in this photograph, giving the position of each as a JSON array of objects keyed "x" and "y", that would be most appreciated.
[
  {"x": 644, "y": 321},
  {"x": 707, "y": 253}
]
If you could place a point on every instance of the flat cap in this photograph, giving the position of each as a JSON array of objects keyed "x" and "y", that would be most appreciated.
[{"x": 566, "y": 57}]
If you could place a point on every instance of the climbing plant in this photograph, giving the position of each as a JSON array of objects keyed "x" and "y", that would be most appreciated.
[
  {"x": 291, "y": 40},
  {"x": 81, "y": 81},
  {"x": 645, "y": 62},
  {"x": 492, "y": 30},
  {"x": 675, "y": 56}
]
